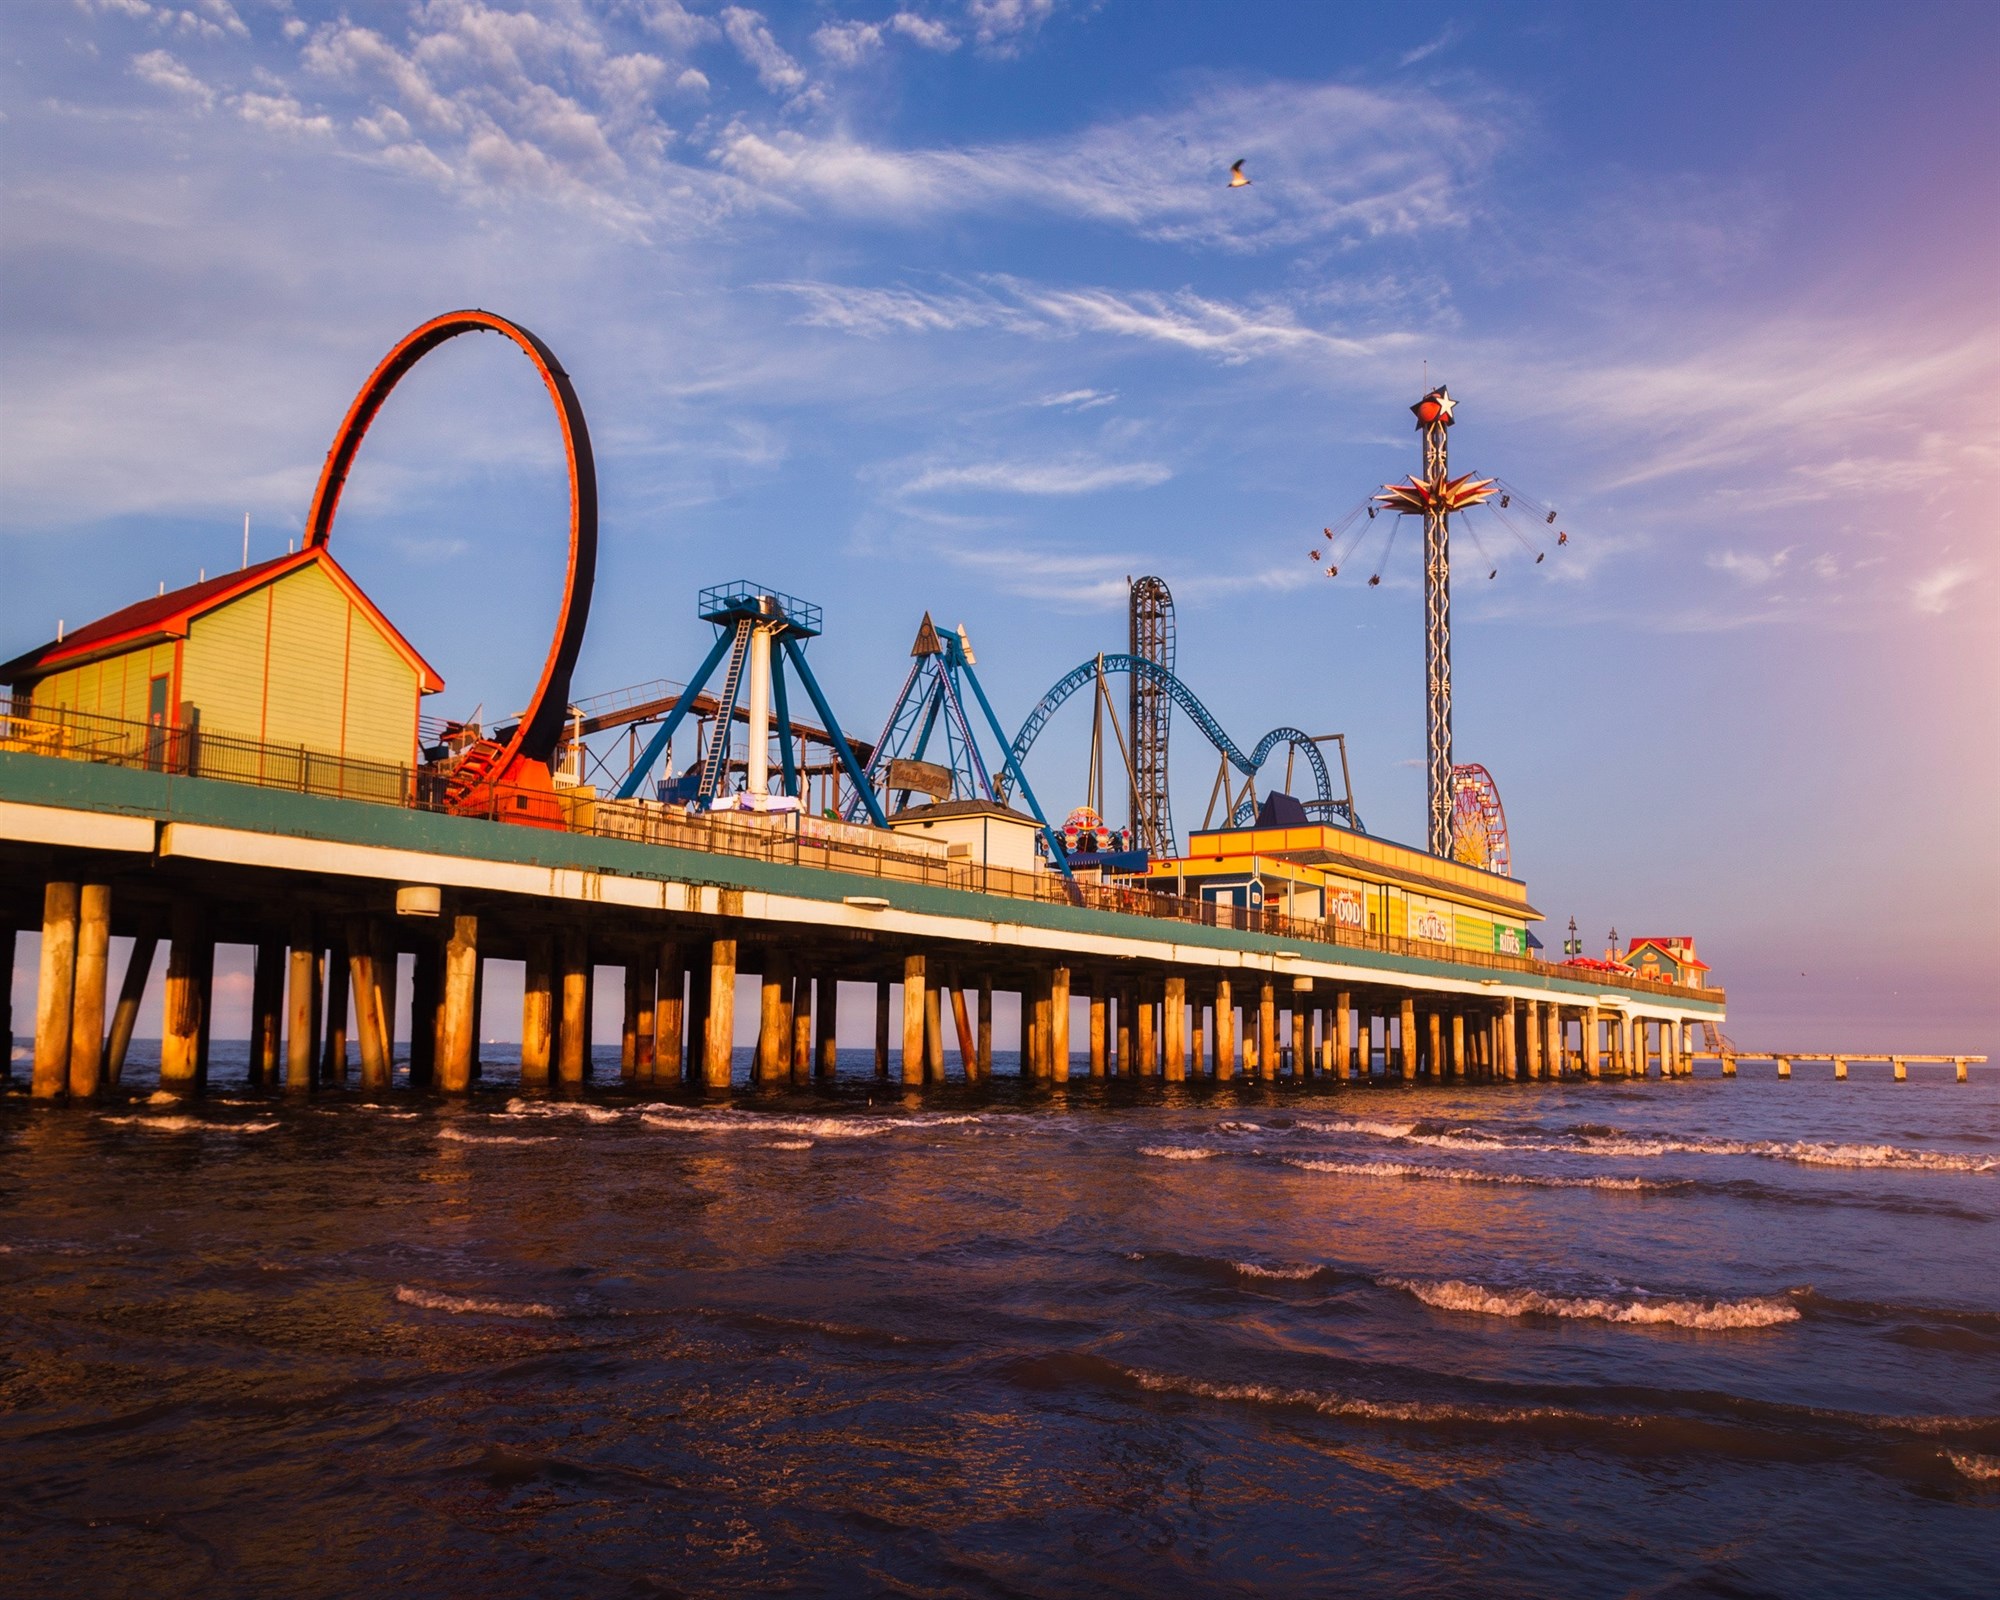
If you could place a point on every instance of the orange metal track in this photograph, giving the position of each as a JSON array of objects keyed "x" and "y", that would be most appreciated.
[{"x": 524, "y": 760}]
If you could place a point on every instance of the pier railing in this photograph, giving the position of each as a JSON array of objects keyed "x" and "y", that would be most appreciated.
[
  {"x": 189, "y": 752},
  {"x": 83, "y": 736}
]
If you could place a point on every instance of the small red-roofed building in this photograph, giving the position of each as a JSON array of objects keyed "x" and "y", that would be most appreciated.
[
  {"x": 1670, "y": 959},
  {"x": 286, "y": 653}
]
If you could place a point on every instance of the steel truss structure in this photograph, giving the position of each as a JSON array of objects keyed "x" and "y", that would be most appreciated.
[
  {"x": 1150, "y": 716},
  {"x": 933, "y": 698},
  {"x": 740, "y": 610},
  {"x": 1435, "y": 497}
]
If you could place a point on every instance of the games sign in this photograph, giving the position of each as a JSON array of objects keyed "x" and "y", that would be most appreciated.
[{"x": 1432, "y": 923}]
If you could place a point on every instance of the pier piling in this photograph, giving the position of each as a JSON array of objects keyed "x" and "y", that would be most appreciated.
[
  {"x": 93, "y": 960},
  {"x": 458, "y": 1036},
  {"x": 573, "y": 1029},
  {"x": 719, "y": 1014},
  {"x": 138, "y": 970},
  {"x": 183, "y": 1024},
  {"x": 538, "y": 1009},
  {"x": 1059, "y": 995},
  {"x": 669, "y": 1014},
  {"x": 1174, "y": 1012},
  {"x": 55, "y": 991},
  {"x": 913, "y": 1021}
]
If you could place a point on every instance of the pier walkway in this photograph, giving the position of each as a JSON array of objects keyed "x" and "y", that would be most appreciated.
[{"x": 328, "y": 892}]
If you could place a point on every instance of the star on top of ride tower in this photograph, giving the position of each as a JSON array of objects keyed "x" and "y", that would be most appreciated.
[{"x": 1435, "y": 407}]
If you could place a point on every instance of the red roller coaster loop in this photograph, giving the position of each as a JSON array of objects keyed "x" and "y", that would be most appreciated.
[{"x": 526, "y": 755}]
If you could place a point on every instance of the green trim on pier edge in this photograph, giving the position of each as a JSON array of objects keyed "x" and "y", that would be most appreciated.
[{"x": 166, "y": 797}]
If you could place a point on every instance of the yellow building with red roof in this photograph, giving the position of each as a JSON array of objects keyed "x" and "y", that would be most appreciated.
[{"x": 288, "y": 653}]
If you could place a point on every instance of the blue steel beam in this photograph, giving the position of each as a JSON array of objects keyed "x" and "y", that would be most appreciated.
[
  {"x": 658, "y": 742},
  {"x": 784, "y": 721},
  {"x": 855, "y": 775}
]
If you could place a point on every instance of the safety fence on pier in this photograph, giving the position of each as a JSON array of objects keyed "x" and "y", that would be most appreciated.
[{"x": 781, "y": 838}]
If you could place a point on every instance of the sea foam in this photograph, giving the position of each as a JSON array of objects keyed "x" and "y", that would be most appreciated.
[
  {"x": 460, "y": 1305},
  {"x": 1411, "y": 1169},
  {"x": 1454, "y": 1294},
  {"x": 459, "y": 1136},
  {"x": 1259, "y": 1269}
]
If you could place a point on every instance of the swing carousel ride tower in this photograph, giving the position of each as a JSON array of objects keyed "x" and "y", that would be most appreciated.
[{"x": 1435, "y": 497}]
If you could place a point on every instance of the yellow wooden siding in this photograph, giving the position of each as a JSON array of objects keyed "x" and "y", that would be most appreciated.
[
  {"x": 57, "y": 692},
  {"x": 141, "y": 667},
  {"x": 381, "y": 696},
  {"x": 308, "y": 673},
  {"x": 114, "y": 687},
  {"x": 222, "y": 670}
]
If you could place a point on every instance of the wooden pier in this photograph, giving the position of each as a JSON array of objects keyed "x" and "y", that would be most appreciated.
[
  {"x": 328, "y": 893},
  {"x": 1783, "y": 1061}
]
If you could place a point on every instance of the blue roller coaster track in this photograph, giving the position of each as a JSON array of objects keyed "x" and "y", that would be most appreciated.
[{"x": 1323, "y": 807}]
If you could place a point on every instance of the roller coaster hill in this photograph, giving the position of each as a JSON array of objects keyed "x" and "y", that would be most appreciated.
[{"x": 245, "y": 760}]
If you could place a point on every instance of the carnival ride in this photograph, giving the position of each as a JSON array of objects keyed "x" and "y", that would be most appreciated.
[
  {"x": 1479, "y": 821},
  {"x": 1438, "y": 498},
  {"x": 933, "y": 700},
  {"x": 761, "y": 631},
  {"x": 518, "y": 757},
  {"x": 1154, "y": 691}
]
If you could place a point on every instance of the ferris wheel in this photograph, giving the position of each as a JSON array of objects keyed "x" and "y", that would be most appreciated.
[{"x": 1479, "y": 821}]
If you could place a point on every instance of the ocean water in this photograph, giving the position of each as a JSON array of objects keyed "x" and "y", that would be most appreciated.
[{"x": 1692, "y": 1338}]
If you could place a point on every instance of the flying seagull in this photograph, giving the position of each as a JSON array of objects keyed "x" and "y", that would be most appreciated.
[{"x": 1236, "y": 178}]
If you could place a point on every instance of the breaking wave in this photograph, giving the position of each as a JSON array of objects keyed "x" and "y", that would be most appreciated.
[
  {"x": 1259, "y": 1269},
  {"x": 1981, "y": 1469},
  {"x": 191, "y": 1125},
  {"x": 789, "y": 1144},
  {"x": 1598, "y": 1140},
  {"x": 1380, "y": 1130},
  {"x": 1175, "y": 1152},
  {"x": 1531, "y": 1180},
  {"x": 1338, "y": 1405},
  {"x": 673, "y": 1120},
  {"x": 458, "y": 1136},
  {"x": 563, "y": 1108},
  {"x": 1454, "y": 1294},
  {"x": 461, "y": 1305}
]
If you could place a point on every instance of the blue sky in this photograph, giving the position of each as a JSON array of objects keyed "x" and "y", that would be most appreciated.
[{"x": 946, "y": 306}]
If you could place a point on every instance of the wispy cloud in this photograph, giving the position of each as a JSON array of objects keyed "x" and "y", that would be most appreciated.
[
  {"x": 1067, "y": 476},
  {"x": 1338, "y": 161},
  {"x": 163, "y": 70},
  {"x": 775, "y": 69},
  {"x": 1754, "y": 570},
  {"x": 1937, "y": 591},
  {"x": 1229, "y": 332},
  {"x": 1078, "y": 399},
  {"x": 1423, "y": 52}
]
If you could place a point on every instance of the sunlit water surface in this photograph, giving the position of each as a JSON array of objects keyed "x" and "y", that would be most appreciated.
[{"x": 1691, "y": 1338}]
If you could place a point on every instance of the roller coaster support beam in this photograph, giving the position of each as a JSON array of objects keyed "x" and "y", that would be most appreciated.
[{"x": 1202, "y": 718}]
